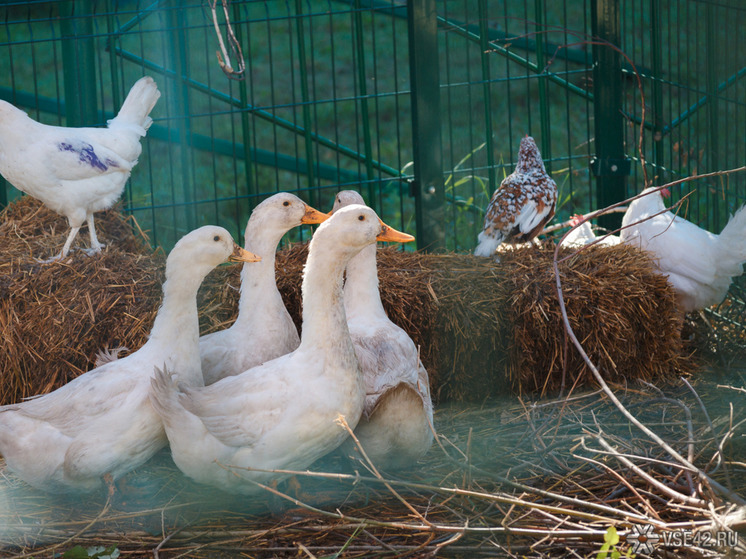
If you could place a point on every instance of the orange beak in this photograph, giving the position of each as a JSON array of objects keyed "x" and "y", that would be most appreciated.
[
  {"x": 242, "y": 255},
  {"x": 391, "y": 235},
  {"x": 313, "y": 216}
]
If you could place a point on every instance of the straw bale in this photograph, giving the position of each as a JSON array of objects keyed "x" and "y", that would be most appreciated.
[
  {"x": 487, "y": 328},
  {"x": 483, "y": 328},
  {"x": 55, "y": 317}
]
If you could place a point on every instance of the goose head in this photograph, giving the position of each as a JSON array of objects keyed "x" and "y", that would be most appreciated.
[
  {"x": 347, "y": 198},
  {"x": 355, "y": 226},
  {"x": 278, "y": 214},
  {"x": 203, "y": 249}
]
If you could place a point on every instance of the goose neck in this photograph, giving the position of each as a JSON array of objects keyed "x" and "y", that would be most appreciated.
[{"x": 361, "y": 292}]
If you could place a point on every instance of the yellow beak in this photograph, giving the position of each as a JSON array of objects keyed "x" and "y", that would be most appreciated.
[
  {"x": 313, "y": 216},
  {"x": 391, "y": 235},
  {"x": 242, "y": 255}
]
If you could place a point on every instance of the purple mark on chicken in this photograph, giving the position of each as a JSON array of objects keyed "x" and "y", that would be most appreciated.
[{"x": 86, "y": 154}]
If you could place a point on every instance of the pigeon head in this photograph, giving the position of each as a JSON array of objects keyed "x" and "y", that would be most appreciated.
[{"x": 529, "y": 158}]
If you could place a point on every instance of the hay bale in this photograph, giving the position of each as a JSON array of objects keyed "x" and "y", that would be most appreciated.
[
  {"x": 484, "y": 329},
  {"x": 55, "y": 317}
]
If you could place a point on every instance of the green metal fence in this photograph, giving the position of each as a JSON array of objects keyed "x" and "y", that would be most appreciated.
[{"x": 420, "y": 105}]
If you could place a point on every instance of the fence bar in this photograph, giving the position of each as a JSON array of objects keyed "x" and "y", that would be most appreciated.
[
  {"x": 428, "y": 188},
  {"x": 178, "y": 53},
  {"x": 78, "y": 62},
  {"x": 713, "y": 54},
  {"x": 373, "y": 201},
  {"x": 305, "y": 108},
  {"x": 546, "y": 143},
  {"x": 656, "y": 47},
  {"x": 609, "y": 166},
  {"x": 484, "y": 53}
]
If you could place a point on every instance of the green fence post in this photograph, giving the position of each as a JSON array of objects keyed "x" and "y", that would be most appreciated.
[
  {"x": 610, "y": 166},
  {"x": 180, "y": 110},
  {"x": 78, "y": 62},
  {"x": 3, "y": 192},
  {"x": 428, "y": 188}
]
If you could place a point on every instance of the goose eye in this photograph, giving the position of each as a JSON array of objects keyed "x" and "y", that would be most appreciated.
[
  {"x": 361, "y": 217},
  {"x": 216, "y": 238},
  {"x": 286, "y": 203}
]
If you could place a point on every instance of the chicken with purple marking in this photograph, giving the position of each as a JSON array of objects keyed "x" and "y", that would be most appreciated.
[{"x": 76, "y": 171}]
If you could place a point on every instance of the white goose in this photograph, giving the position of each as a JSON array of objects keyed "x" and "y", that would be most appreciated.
[
  {"x": 396, "y": 427},
  {"x": 281, "y": 414},
  {"x": 263, "y": 329},
  {"x": 102, "y": 421}
]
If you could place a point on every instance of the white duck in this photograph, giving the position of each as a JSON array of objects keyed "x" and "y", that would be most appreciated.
[
  {"x": 76, "y": 171},
  {"x": 582, "y": 234},
  {"x": 102, "y": 421},
  {"x": 699, "y": 264},
  {"x": 396, "y": 427},
  {"x": 263, "y": 329},
  {"x": 281, "y": 414}
]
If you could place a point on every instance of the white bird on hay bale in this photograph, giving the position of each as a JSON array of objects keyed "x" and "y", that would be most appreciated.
[
  {"x": 699, "y": 265},
  {"x": 396, "y": 427},
  {"x": 102, "y": 423},
  {"x": 582, "y": 234},
  {"x": 263, "y": 329},
  {"x": 522, "y": 205},
  {"x": 76, "y": 171},
  {"x": 282, "y": 414}
]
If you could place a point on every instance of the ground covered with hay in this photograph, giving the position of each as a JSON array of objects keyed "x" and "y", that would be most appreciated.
[
  {"x": 534, "y": 457},
  {"x": 547, "y": 479}
]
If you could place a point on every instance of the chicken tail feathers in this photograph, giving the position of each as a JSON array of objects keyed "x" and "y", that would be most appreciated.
[
  {"x": 732, "y": 242},
  {"x": 136, "y": 108}
]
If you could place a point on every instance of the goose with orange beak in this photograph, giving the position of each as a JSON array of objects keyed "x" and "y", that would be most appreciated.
[
  {"x": 283, "y": 414},
  {"x": 102, "y": 423},
  {"x": 263, "y": 329},
  {"x": 396, "y": 428}
]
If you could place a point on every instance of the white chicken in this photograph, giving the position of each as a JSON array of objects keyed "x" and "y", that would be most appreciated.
[
  {"x": 76, "y": 171},
  {"x": 699, "y": 264},
  {"x": 522, "y": 205}
]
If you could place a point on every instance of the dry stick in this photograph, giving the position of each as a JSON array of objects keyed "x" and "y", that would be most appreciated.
[
  {"x": 457, "y": 492},
  {"x": 622, "y": 480},
  {"x": 343, "y": 422},
  {"x": 614, "y": 207},
  {"x": 599, "y": 378},
  {"x": 541, "y": 492},
  {"x": 431, "y": 527},
  {"x": 100, "y": 515},
  {"x": 686, "y": 499},
  {"x": 224, "y": 61}
]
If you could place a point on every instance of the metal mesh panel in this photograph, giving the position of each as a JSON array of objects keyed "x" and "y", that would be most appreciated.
[{"x": 327, "y": 100}]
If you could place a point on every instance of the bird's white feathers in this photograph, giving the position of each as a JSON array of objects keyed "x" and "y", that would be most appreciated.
[
  {"x": 102, "y": 421},
  {"x": 281, "y": 414},
  {"x": 396, "y": 427},
  {"x": 263, "y": 329},
  {"x": 76, "y": 171},
  {"x": 700, "y": 265}
]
